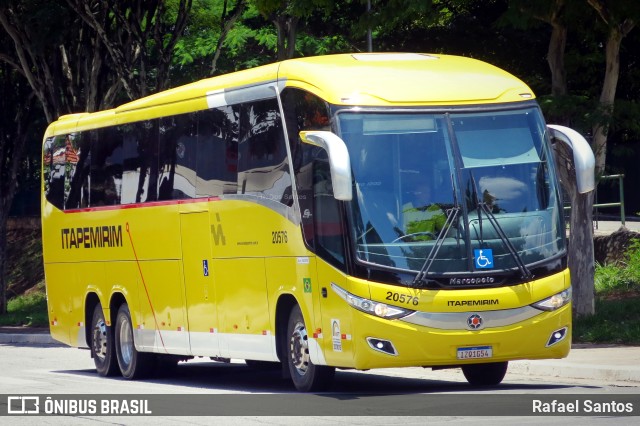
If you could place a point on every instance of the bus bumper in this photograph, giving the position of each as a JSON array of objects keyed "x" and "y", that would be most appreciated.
[{"x": 384, "y": 343}]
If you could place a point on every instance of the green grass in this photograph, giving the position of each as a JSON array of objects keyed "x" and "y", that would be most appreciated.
[
  {"x": 617, "y": 321},
  {"x": 29, "y": 309},
  {"x": 617, "y": 317}
]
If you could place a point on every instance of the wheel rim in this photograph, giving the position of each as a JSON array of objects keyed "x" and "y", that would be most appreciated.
[
  {"x": 100, "y": 340},
  {"x": 299, "y": 349},
  {"x": 126, "y": 342}
]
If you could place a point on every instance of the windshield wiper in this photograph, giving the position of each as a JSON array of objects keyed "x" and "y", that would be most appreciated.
[
  {"x": 452, "y": 213},
  {"x": 524, "y": 271}
]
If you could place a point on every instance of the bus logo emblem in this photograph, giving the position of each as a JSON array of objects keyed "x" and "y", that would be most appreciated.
[
  {"x": 483, "y": 258},
  {"x": 474, "y": 322}
]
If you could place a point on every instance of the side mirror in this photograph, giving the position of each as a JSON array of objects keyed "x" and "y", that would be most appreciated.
[
  {"x": 339, "y": 161},
  {"x": 583, "y": 158}
]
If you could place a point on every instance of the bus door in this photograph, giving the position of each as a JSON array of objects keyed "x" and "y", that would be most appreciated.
[{"x": 202, "y": 317}]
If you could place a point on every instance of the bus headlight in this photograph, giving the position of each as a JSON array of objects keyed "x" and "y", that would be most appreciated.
[
  {"x": 379, "y": 309},
  {"x": 554, "y": 302}
]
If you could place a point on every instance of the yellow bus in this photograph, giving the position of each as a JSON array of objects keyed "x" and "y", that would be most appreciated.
[{"x": 351, "y": 211}]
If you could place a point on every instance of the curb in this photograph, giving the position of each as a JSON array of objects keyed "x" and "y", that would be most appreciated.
[
  {"x": 563, "y": 369},
  {"x": 28, "y": 338}
]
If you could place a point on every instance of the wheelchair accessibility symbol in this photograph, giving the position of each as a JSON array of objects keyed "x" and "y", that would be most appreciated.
[{"x": 483, "y": 258}]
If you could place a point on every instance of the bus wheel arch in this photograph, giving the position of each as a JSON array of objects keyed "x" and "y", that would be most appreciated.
[
  {"x": 90, "y": 302},
  {"x": 283, "y": 308},
  {"x": 306, "y": 376}
]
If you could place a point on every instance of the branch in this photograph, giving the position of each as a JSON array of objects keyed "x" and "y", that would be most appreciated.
[
  {"x": 226, "y": 23},
  {"x": 599, "y": 6},
  {"x": 16, "y": 66},
  {"x": 34, "y": 81}
]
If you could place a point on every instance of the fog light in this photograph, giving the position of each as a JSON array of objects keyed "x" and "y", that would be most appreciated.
[
  {"x": 557, "y": 336},
  {"x": 381, "y": 345}
]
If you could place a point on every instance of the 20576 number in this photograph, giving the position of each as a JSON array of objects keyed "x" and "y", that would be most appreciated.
[
  {"x": 279, "y": 237},
  {"x": 402, "y": 298}
]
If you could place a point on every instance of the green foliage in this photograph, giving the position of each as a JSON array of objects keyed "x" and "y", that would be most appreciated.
[
  {"x": 616, "y": 321},
  {"x": 29, "y": 309},
  {"x": 617, "y": 317},
  {"x": 624, "y": 277}
]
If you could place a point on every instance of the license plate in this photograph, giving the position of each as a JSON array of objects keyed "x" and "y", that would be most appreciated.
[{"x": 475, "y": 352}]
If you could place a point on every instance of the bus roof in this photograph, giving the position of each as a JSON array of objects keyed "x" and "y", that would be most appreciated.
[
  {"x": 367, "y": 79},
  {"x": 392, "y": 79}
]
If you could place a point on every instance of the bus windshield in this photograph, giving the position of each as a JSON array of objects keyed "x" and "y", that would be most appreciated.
[{"x": 413, "y": 170}]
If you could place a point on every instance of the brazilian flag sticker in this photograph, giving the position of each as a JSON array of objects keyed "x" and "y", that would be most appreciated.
[{"x": 307, "y": 285}]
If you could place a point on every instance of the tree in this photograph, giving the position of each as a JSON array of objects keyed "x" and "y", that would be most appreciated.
[
  {"x": 208, "y": 26},
  {"x": 68, "y": 65},
  {"x": 553, "y": 13},
  {"x": 14, "y": 90},
  {"x": 580, "y": 250},
  {"x": 286, "y": 16},
  {"x": 139, "y": 36},
  {"x": 63, "y": 64},
  {"x": 620, "y": 18}
]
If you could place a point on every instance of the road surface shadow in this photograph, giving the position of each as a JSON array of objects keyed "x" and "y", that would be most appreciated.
[{"x": 240, "y": 377}]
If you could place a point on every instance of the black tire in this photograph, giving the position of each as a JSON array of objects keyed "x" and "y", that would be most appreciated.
[
  {"x": 306, "y": 376},
  {"x": 102, "y": 345},
  {"x": 490, "y": 374},
  {"x": 133, "y": 364}
]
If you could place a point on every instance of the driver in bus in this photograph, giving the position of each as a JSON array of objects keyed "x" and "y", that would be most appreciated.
[{"x": 423, "y": 219}]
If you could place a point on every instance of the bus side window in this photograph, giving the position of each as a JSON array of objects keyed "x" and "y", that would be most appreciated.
[
  {"x": 106, "y": 167},
  {"x": 177, "y": 157},
  {"x": 78, "y": 160},
  {"x": 217, "y": 159},
  {"x": 263, "y": 168},
  {"x": 54, "y": 166},
  {"x": 327, "y": 223},
  {"x": 304, "y": 111},
  {"x": 147, "y": 147},
  {"x": 130, "y": 162}
]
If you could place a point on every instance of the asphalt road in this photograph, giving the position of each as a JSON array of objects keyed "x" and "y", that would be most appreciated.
[{"x": 378, "y": 397}]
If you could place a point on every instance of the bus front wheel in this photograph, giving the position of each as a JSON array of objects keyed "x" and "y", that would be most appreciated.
[
  {"x": 133, "y": 364},
  {"x": 489, "y": 374},
  {"x": 306, "y": 376},
  {"x": 102, "y": 347}
]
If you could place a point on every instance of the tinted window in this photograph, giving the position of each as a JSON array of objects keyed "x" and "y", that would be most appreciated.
[
  {"x": 263, "y": 168},
  {"x": 53, "y": 165},
  {"x": 217, "y": 161},
  {"x": 177, "y": 157},
  {"x": 78, "y": 163},
  {"x": 304, "y": 111}
]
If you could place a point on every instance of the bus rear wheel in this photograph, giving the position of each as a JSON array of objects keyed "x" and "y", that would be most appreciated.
[
  {"x": 489, "y": 374},
  {"x": 306, "y": 376},
  {"x": 133, "y": 364},
  {"x": 102, "y": 347}
]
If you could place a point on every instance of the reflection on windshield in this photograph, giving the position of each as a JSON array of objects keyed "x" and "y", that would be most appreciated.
[{"x": 410, "y": 170}]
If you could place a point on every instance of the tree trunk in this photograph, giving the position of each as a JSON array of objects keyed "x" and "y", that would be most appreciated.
[
  {"x": 555, "y": 58},
  {"x": 619, "y": 27},
  {"x": 607, "y": 97},
  {"x": 580, "y": 256}
]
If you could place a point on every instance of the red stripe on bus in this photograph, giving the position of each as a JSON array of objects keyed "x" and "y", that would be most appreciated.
[{"x": 145, "y": 288}]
